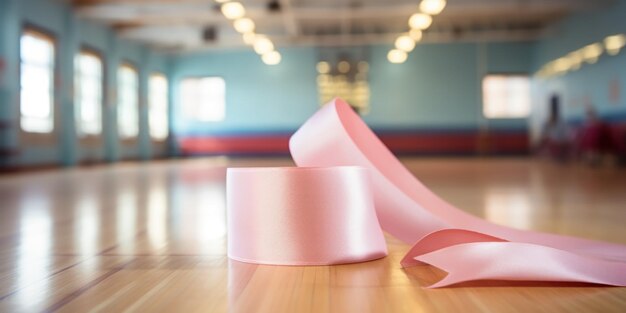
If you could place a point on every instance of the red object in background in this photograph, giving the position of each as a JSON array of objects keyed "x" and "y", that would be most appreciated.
[
  {"x": 270, "y": 144},
  {"x": 617, "y": 133},
  {"x": 405, "y": 142},
  {"x": 595, "y": 137}
]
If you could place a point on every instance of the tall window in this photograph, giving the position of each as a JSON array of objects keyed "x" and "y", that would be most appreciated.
[
  {"x": 128, "y": 102},
  {"x": 203, "y": 99},
  {"x": 506, "y": 96},
  {"x": 157, "y": 112},
  {"x": 88, "y": 89},
  {"x": 36, "y": 82}
]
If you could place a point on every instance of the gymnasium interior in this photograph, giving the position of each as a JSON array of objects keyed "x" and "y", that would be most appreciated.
[{"x": 120, "y": 118}]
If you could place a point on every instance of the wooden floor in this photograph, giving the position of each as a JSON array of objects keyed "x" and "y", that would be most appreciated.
[{"x": 151, "y": 237}]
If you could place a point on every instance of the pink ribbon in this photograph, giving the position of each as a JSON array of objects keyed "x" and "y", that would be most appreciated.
[
  {"x": 302, "y": 216},
  {"x": 465, "y": 246}
]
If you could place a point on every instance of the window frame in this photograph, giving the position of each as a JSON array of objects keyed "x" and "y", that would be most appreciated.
[
  {"x": 135, "y": 68},
  {"x": 167, "y": 104},
  {"x": 482, "y": 95},
  {"x": 180, "y": 111},
  {"x": 103, "y": 84},
  {"x": 52, "y": 38}
]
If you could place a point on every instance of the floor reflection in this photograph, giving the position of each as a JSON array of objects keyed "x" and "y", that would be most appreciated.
[
  {"x": 87, "y": 218},
  {"x": 35, "y": 243},
  {"x": 199, "y": 208},
  {"x": 156, "y": 222},
  {"x": 211, "y": 207},
  {"x": 509, "y": 206},
  {"x": 126, "y": 219}
]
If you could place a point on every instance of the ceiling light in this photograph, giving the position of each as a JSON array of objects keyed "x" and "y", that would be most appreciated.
[
  {"x": 343, "y": 67},
  {"x": 363, "y": 66},
  {"x": 432, "y": 7},
  {"x": 271, "y": 58},
  {"x": 405, "y": 43},
  {"x": 420, "y": 21},
  {"x": 614, "y": 43},
  {"x": 561, "y": 65},
  {"x": 233, "y": 10},
  {"x": 396, "y": 56},
  {"x": 592, "y": 52},
  {"x": 543, "y": 72},
  {"x": 575, "y": 60},
  {"x": 244, "y": 25},
  {"x": 248, "y": 38},
  {"x": 262, "y": 44},
  {"x": 415, "y": 34},
  {"x": 323, "y": 67}
]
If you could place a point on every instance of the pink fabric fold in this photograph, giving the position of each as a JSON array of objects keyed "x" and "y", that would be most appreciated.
[
  {"x": 519, "y": 261},
  {"x": 468, "y": 247}
]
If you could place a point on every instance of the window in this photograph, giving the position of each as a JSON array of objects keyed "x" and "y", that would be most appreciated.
[
  {"x": 128, "y": 102},
  {"x": 36, "y": 82},
  {"x": 157, "y": 113},
  {"x": 203, "y": 99},
  {"x": 506, "y": 96},
  {"x": 88, "y": 82}
]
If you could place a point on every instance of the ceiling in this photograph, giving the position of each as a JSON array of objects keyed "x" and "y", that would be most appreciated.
[{"x": 189, "y": 25}]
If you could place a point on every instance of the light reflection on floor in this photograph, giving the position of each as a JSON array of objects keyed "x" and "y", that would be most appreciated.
[{"x": 508, "y": 207}]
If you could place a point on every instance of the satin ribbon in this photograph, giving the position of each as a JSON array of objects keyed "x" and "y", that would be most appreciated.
[
  {"x": 465, "y": 246},
  {"x": 322, "y": 214},
  {"x": 302, "y": 216}
]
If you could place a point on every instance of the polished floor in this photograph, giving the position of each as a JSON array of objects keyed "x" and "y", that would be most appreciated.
[{"x": 146, "y": 237}]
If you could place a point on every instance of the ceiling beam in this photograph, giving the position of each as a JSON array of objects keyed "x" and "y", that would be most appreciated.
[
  {"x": 168, "y": 12},
  {"x": 291, "y": 24},
  {"x": 180, "y": 22},
  {"x": 179, "y": 42}
]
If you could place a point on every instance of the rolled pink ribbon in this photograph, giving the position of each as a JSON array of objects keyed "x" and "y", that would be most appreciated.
[
  {"x": 466, "y": 246},
  {"x": 302, "y": 216}
]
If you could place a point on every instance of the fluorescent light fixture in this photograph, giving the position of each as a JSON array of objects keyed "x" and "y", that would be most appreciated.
[
  {"x": 233, "y": 10},
  {"x": 323, "y": 67},
  {"x": 244, "y": 25},
  {"x": 415, "y": 34},
  {"x": 248, "y": 38},
  {"x": 592, "y": 52},
  {"x": 420, "y": 21},
  {"x": 396, "y": 56},
  {"x": 405, "y": 43},
  {"x": 614, "y": 44},
  {"x": 432, "y": 7},
  {"x": 271, "y": 58},
  {"x": 262, "y": 44}
]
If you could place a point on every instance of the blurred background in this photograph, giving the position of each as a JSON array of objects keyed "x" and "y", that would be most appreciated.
[
  {"x": 118, "y": 119},
  {"x": 93, "y": 81}
]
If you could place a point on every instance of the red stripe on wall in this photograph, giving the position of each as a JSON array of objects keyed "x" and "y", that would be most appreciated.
[
  {"x": 431, "y": 143},
  {"x": 240, "y": 144}
]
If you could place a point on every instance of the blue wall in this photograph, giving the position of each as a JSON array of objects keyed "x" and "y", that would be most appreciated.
[
  {"x": 592, "y": 83},
  {"x": 71, "y": 33},
  {"x": 438, "y": 87},
  {"x": 259, "y": 98}
]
